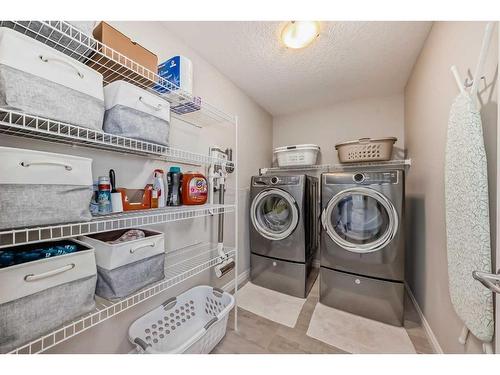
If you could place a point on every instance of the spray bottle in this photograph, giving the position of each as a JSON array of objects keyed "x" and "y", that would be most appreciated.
[{"x": 159, "y": 192}]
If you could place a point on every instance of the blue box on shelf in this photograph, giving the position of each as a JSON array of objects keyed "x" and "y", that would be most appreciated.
[{"x": 177, "y": 73}]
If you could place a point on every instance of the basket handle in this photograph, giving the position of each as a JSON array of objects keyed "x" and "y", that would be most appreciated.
[
  {"x": 155, "y": 107},
  {"x": 169, "y": 303},
  {"x": 47, "y": 59},
  {"x": 134, "y": 249},
  {"x": 364, "y": 140},
  {"x": 27, "y": 164},
  {"x": 210, "y": 323},
  {"x": 141, "y": 343},
  {"x": 33, "y": 277}
]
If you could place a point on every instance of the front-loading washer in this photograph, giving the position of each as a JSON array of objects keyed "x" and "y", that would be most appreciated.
[
  {"x": 362, "y": 243},
  {"x": 284, "y": 232}
]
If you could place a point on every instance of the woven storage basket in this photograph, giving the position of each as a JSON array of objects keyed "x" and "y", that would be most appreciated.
[{"x": 366, "y": 149}]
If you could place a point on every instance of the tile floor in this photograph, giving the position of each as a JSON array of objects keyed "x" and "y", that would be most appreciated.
[{"x": 257, "y": 335}]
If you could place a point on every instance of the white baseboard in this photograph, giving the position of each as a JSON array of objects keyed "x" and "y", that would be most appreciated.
[
  {"x": 425, "y": 324},
  {"x": 242, "y": 277}
]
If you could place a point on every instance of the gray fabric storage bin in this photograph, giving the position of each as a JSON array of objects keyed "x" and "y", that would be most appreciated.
[
  {"x": 129, "y": 122},
  {"x": 29, "y": 205},
  {"x": 28, "y": 93},
  {"x": 30, "y": 317},
  {"x": 31, "y": 309},
  {"x": 40, "y": 188},
  {"x": 122, "y": 281},
  {"x": 124, "y": 267},
  {"x": 136, "y": 113},
  {"x": 79, "y": 46},
  {"x": 41, "y": 81}
]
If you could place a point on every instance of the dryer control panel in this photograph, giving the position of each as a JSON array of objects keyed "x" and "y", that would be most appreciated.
[
  {"x": 362, "y": 177},
  {"x": 275, "y": 180}
]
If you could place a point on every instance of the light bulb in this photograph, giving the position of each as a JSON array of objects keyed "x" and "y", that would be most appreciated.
[{"x": 299, "y": 34}]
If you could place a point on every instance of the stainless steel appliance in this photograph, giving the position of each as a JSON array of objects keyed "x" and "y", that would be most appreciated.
[
  {"x": 284, "y": 232},
  {"x": 362, "y": 243}
]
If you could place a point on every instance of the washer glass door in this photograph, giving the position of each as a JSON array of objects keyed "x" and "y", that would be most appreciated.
[
  {"x": 360, "y": 220},
  {"x": 274, "y": 214}
]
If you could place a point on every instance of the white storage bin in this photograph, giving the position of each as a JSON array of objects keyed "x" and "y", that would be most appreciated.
[
  {"x": 37, "y": 297},
  {"x": 289, "y": 156},
  {"x": 123, "y": 268},
  {"x": 38, "y": 188},
  {"x": 41, "y": 81},
  {"x": 193, "y": 322},
  {"x": 56, "y": 35},
  {"x": 135, "y": 113}
]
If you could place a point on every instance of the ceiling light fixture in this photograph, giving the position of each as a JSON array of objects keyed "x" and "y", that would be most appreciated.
[{"x": 299, "y": 34}]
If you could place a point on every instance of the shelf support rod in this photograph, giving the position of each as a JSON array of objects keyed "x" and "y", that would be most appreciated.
[{"x": 236, "y": 223}]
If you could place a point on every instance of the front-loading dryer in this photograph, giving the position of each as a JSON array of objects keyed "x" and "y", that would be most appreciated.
[
  {"x": 362, "y": 243},
  {"x": 284, "y": 232}
]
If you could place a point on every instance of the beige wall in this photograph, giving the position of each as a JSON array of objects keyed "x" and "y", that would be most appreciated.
[
  {"x": 326, "y": 126},
  {"x": 255, "y": 134},
  {"x": 428, "y": 96}
]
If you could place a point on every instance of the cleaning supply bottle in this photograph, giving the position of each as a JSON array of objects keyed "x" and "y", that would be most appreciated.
[
  {"x": 194, "y": 188},
  {"x": 174, "y": 180},
  {"x": 158, "y": 197},
  {"x": 104, "y": 195}
]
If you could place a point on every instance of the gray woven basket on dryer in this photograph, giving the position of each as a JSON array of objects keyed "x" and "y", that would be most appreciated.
[{"x": 366, "y": 150}]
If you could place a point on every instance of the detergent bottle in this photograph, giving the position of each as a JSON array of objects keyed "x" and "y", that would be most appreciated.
[
  {"x": 194, "y": 188},
  {"x": 174, "y": 180}
]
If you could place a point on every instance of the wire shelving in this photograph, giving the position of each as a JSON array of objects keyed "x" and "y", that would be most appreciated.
[{"x": 180, "y": 265}]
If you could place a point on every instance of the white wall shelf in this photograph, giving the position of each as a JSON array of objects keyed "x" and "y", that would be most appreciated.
[
  {"x": 338, "y": 167},
  {"x": 113, "y": 65},
  {"x": 406, "y": 163},
  {"x": 305, "y": 168},
  {"x": 27, "y": 126},
  {"x": 180, "y": 265},
  {"x": 130, "y": 219}
]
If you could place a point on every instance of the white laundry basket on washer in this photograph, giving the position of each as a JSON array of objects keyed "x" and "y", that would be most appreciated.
[
  {"x": 297, "y": 155},
  {"x": 193, "y": 322}
]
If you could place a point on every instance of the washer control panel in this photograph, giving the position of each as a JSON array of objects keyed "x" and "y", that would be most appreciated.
[
  {"x": 275, "y": 180},
  {"x": 362, "y": 177}
]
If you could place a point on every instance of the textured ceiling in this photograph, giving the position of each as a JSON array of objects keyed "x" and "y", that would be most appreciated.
[{"x": 349, "y": 60}]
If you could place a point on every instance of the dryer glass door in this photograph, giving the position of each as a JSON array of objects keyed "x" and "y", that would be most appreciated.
[
  {"x": 274, "y": 214},
  {"x": 360, "y": 220}
]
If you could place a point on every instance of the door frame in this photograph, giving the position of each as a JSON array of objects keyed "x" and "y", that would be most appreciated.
[{"x": 496, "y": 265}]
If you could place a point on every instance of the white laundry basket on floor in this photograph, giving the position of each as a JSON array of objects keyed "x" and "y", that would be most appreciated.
[{"x": 193, "y": 322}]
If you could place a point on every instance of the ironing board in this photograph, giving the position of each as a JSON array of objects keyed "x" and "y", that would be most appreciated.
[{"x": 467, "y": 217}]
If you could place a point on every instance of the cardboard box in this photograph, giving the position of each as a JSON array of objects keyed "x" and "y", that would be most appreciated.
[{"x": 112, "y": 69}]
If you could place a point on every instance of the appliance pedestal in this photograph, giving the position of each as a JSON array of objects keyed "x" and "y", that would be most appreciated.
[
  {"x": 375, "y": 299},
  {"x": 295, "y": 279}
]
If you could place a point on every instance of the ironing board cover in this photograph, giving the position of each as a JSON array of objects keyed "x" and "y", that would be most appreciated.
[{"x": 467, "y": 217}]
